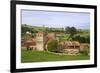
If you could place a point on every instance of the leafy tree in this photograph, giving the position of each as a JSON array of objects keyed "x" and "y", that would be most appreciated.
[
  {"x": 71, "y": 30},
  {"x": 81, "y": 38},
  {"x": 67, "y": 29},
  {"x": 25, "y": 29},
  {"x": 76, "y": 37},
  {"x": 88, "y": 39},
  {"x": 52, "y": 45}
]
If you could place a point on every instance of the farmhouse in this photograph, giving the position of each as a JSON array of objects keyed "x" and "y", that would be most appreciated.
[
  {"x": 29, "y": 44},
  {"x": 69, "y": 47}
]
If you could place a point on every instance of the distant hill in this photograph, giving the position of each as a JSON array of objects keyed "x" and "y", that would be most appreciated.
[
  {"x": 33, "y": 29},
  {"x": 40, "y": 28}
]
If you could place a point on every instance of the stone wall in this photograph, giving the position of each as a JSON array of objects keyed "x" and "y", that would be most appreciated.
[{"x": 71, "y": 51}]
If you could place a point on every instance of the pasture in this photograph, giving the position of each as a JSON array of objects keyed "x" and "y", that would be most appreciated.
[{"x": 44, "y": 56}]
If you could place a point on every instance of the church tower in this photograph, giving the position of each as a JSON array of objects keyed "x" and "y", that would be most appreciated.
[{"x": 40, "y": 41}]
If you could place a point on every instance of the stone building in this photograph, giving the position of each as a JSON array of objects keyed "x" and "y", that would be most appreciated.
[
  {"x": 40, "y": 41},
  {"x": 84, "y": 46},
  {"x": 69, "y": 47},
  {"x": 28, "y": 44}
]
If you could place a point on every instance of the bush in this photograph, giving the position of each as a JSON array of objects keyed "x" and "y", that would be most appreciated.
[
  {"x": 81, "y": 38},
  {"x": 52, "y": 45}
]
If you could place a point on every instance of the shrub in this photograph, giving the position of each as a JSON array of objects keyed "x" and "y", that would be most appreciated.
[
  {"x": 81, "y": 38},
  {"x": 52, "y": 45}
]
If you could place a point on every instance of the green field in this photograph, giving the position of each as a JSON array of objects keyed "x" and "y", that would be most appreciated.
[{"x": 43, "y": 56}]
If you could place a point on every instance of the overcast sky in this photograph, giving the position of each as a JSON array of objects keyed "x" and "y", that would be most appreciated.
[{"x": 56, "y": 19}]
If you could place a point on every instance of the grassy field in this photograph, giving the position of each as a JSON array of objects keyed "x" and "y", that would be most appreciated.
[{"x": 43, "y": 56}]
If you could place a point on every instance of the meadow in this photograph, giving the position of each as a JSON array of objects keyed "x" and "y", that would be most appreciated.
[
  {"x": 44, "y": 56},
  {"x": 62, "y": 34}
]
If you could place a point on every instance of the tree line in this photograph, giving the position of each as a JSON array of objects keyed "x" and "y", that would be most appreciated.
[{"x": 74, "y": 33}]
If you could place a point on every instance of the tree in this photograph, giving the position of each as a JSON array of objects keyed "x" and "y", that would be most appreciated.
[
  {"x": 71, "y": 30},
  {"x": 76, "y": 37},
  {"x": 52, "y": 45},
  {"x": 67, "y": 29},
  {"x": 25, "y": 28},
  {"x": 81, "y": 38}
]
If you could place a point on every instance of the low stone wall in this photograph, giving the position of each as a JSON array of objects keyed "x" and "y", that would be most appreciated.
[{"x": 71, "y": 51}]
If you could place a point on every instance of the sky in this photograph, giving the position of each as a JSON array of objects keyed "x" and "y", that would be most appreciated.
[{"x": 56, "y": 19}]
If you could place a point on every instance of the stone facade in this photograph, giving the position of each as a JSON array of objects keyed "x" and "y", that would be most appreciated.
[
  {"x": 40, "y": 41},
  {"x": 71, "y": 51},
  {"x": 69, "y": 47},
  {"x": 84, "y": 46},
  {"x": 28, "y": 44}
]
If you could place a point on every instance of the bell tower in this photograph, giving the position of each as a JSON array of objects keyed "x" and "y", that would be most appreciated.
[{"x": 40, "y": 41}]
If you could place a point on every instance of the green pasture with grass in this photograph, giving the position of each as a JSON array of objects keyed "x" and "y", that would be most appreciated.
[{"x": 44, "y": 56}]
